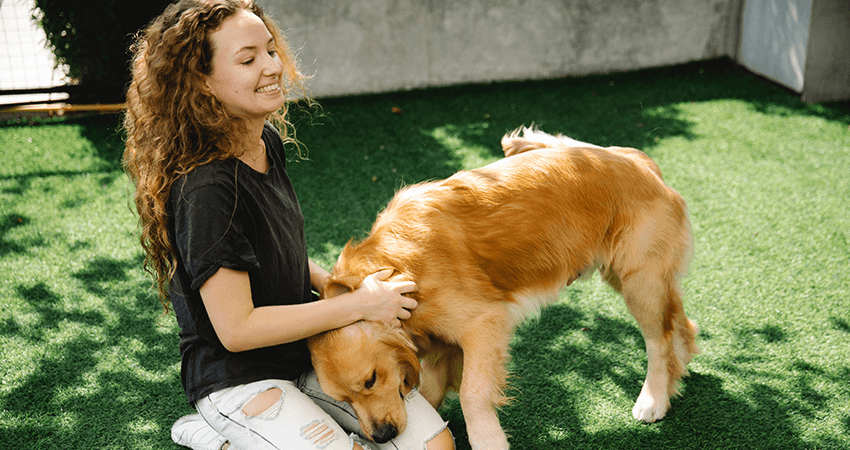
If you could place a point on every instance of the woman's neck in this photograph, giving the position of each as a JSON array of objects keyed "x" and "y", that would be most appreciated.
[{"x": 255, "y": 149}]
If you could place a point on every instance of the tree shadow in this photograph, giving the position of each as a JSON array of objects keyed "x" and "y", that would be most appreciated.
[
  {"x": 362, "y": 149},
  {"x": 360, "y": 153},
  {"x": 554, "y": 373},
  {"x": 97, "y": 135},
  {"x": 51, "y": 312},
  {"x": 101, "y": 272},
  {"x": 10, "y": 222},
  {"x": 840, "y": 324},
  {"x": 770, "y": 334},
  {"x": 114, "y": 370},
  {"x": 361, "y": 139},
  {"x": 102, "y": 136}
]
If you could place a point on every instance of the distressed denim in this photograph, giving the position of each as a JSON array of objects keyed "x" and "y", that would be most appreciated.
[{"x": 305, "y": 418}]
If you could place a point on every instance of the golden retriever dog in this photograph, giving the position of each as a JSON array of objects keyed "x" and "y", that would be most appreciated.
[{"x": 488, "y": 248}]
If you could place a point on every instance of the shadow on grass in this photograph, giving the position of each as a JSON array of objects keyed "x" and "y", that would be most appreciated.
[
  {"x": 553, "y": 372},
  {"x": 107, "y": 377},
  {"x": 841, "y": 324},
  {"x": 93, "y": 138},
  {"x": 100, "y": 377},
  {"x": 361, "y": 151},
  {"x": 360, "y": 139},
  {"x": 97, "y": 135},
  {"x": 7, "y": 246}
]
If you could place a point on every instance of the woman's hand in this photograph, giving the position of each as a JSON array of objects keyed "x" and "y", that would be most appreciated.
[{"x": 382, "y": 301}]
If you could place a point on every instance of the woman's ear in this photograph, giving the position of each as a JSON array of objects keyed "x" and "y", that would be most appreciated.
[{"x": 204, "y": 86}]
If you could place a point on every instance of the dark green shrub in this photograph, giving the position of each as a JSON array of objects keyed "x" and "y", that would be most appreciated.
[{"x": 92, "y": 38}]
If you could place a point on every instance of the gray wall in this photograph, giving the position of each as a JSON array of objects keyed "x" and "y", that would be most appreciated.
[
  {"x": 802, "y": 44},
  {"x": 774, "y": 38},
  {"x": 368, "y": 46},
  {"x": 827, "y": 72}
]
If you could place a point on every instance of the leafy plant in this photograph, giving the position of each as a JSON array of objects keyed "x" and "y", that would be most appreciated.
[{"x": 92, "y": 39}]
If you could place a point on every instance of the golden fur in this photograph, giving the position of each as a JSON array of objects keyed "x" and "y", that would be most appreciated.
[{"x": 491, "y": 246}]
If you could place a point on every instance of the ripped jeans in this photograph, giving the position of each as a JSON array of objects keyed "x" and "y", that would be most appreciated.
[{"x": 305, "y": 418}]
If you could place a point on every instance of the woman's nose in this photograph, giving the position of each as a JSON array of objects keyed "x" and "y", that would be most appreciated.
[{"x": 272, "y": 65}]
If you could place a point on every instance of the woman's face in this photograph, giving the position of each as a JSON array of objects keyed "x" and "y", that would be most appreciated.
[{"x": 246, "y": 70}]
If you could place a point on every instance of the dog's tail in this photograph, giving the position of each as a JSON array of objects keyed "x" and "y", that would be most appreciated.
[{"x": 533, "y": 139}]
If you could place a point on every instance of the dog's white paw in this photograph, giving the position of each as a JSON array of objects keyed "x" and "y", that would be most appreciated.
[{"x": 648, "y": 409}]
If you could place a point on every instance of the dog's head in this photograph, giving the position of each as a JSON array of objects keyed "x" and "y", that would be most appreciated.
[{"x": 373, "y": 367}]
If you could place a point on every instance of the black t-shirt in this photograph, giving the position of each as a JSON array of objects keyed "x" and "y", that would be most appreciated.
[{"x": 225, "y": 214}]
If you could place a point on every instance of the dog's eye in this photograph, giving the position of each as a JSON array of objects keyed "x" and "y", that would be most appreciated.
[{"x": 371, "y": 381}]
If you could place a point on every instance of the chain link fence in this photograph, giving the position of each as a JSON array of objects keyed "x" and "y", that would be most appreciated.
[{"x": 28, "y": 72}]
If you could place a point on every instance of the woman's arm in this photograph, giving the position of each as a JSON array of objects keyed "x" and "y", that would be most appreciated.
[
  {"x": 241, "y": 327},
  {"x": 318, "y": 275}
]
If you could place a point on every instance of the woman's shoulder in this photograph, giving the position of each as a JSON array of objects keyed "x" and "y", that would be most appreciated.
[
  {"x": 270, "y": 131},
  {"x": 273, "y": 141},
  {"x": 215, "y": 174}
]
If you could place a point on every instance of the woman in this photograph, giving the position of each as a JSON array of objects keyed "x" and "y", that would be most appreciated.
[{"x": 223, "y": 236}]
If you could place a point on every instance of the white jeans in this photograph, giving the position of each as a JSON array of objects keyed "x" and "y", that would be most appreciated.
[{"x": 305, "y": 418}]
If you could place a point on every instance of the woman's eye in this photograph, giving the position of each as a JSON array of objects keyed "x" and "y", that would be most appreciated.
[
  {"x": 248, "y": 62},
  {"x": 272, "y": 53},
  {"x": 371, "y": 381}
]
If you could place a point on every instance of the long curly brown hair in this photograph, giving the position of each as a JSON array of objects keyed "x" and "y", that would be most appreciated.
[{"x": 173, "y": 124}]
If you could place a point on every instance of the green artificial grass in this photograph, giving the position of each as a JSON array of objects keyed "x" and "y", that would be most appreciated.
[{"x": 89, "y": 361}]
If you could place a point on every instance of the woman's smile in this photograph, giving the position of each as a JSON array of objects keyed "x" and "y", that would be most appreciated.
[{"x": 268, "y": 88}]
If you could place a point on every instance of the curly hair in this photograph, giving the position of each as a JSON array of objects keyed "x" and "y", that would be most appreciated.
[{"x": 173, "y": 125}]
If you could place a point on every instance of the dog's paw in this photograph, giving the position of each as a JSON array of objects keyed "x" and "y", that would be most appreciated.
[{"x": 648, "y": 409}]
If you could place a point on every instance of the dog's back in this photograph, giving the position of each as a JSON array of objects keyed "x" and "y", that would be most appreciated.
[
  {"x": 517, "y": 230},
  {"x": 525, "y": 139}
]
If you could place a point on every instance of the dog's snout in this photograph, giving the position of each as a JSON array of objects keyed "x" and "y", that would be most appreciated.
[{"x": 384, "y": 433}]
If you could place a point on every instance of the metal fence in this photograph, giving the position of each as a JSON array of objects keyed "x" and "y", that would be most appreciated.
[{"x": 27, "y": 68}]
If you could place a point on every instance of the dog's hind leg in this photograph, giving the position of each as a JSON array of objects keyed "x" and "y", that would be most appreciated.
[
  {"x": 655, "y": 301},
  {"x": 685, "y": 332},
  {"x": 644, "y": 265},
  {"x": 647, "y": 300},
  {"x": 481, "y": 390}
]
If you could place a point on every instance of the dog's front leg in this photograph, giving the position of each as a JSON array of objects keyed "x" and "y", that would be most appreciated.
[
  {"x": 477, "y": 392},
  {"x": 440, "y": 373},
  {"x": 481, "y": 389}
]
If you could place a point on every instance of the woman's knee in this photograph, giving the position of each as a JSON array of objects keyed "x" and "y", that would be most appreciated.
[
  {"x": 262, "y": 402},
  {"x": 442, "y": 441}
]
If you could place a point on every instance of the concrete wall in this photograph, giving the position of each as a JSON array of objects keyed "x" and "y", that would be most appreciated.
[
  {"x": 827, "y": 72},
  {"x": 368, "y": 46},
  {"x": 774, "y": 39}
]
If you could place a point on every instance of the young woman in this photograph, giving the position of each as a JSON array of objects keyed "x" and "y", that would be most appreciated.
[{"x": 224, "y": 238}]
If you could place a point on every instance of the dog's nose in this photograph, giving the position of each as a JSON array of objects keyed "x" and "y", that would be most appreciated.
[{"x": 384, "y": 433}]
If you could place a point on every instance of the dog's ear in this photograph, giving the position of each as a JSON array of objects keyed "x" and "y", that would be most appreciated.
[
  {"x": 335, "y": 286},
  {"x": 405, "y": 353},
  {"x": 411, "y": 367}
]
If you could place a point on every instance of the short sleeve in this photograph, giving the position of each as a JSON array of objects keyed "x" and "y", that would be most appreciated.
[{"x": 208, "y": 233}]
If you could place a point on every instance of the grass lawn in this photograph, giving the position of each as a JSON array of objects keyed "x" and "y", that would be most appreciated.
[{"x": 90, "y": 362}]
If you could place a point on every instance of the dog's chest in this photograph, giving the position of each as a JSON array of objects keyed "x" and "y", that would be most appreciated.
[{"x": 428, "y": 343}]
